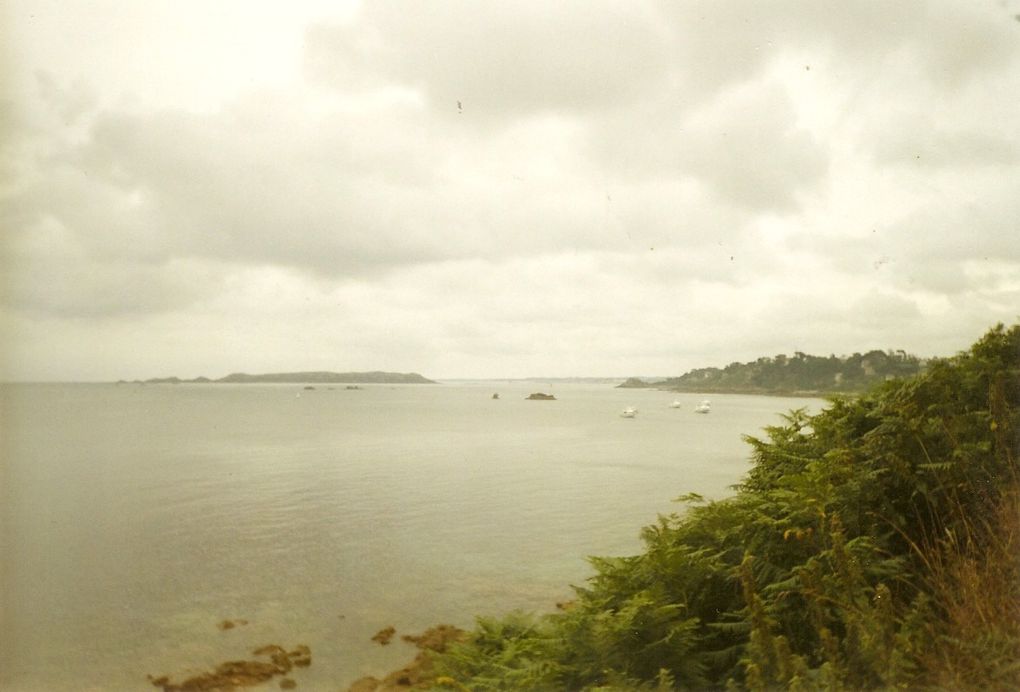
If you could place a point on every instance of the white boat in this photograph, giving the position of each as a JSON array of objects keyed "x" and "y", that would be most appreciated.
[
  {"x": 628, "y": 412},
  {"x": 704, "y": 407},
  {"x": 676, "y": 404}
]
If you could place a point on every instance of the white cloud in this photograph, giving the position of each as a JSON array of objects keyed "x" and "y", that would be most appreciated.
[{"x": 501, "y": 61}]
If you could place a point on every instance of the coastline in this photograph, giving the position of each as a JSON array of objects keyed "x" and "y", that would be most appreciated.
[{"x": 750, "y": 391}]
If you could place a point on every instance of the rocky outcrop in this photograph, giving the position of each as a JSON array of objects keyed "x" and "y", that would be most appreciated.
[
  {"x": 384, "y": 635},
  {"x": 233, "y": 674},
  {"x": 418, "y": 673}
]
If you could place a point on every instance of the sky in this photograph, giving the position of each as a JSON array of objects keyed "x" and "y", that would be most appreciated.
[{"x": 501, "y": 189}]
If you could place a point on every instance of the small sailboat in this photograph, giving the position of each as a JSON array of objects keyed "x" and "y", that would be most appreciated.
[
  {"x": 704, "y": 407},
  {"x": 676, "y": 404},
  {"x": 629, "y": 412}
]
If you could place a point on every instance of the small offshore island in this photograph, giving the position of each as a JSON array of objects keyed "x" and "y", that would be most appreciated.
[{"x": 315, "y": 377}]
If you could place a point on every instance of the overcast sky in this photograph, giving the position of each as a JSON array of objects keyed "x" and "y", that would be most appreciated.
[{"x": 501, "y": 189}]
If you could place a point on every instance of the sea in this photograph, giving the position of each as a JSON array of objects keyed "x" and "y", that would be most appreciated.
[{"x": 136, "y": 519}]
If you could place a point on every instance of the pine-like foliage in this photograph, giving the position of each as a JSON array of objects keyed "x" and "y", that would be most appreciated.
[{"x": 873, "y": 545}]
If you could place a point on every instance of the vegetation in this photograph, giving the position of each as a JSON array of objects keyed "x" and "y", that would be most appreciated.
[
  {"x": 800, "y": 373},
  {"x": 873, "y": 545}
]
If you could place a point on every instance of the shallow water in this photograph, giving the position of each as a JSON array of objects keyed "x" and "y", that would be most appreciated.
[{"x": 135, "y": 518}]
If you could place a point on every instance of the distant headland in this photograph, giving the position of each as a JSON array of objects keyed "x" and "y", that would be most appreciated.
[
  {"x": 316, "y": 377},
  {"x": 800, "y": 374}
]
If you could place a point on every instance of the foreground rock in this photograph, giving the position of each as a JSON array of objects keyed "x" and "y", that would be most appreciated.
[
  {"x": 234, "y": 674},
  {"x": 418, "y": 673}
]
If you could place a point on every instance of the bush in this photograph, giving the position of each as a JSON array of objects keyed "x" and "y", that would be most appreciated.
[{"x": 874, "y": 544}]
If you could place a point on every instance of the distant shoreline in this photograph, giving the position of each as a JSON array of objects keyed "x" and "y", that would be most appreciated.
[
  {"x": 312, "y": 377},
  {"x": 810, "y": 393}
]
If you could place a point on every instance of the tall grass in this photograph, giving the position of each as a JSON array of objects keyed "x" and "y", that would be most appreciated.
[{"x": 975, "y": 585}]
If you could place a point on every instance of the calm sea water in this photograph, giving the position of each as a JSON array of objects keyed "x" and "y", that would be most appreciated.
[{"x": 136, "y": 518}]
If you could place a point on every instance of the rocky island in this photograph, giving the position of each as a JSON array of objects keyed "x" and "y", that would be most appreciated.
[{"x": 539, "y": 396}]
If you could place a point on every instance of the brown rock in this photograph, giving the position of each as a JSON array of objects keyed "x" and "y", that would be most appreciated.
[
  {"x": 436, "y": 638},
  {"x": 231, "y": 624},
  {"x": 233, "y": 674},
  {"x": 287, "y": 684},
  {"x": 418, "y": 673},
  {"x": 384, "y": 635},
  {"x": 269, "y": 650},
  {"x": 541, "y": 396},
  {"x": 282, "y": 661},
  {"x": 301, "y": 656},
  {"x": 368, "y": 684},
  {"x": 255, "y": 669}
]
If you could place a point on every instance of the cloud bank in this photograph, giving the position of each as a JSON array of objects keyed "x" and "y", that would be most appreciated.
[{"x": 473, "y": 189}]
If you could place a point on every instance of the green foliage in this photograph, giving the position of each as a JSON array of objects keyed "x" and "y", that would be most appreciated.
[
  {"x": 798, "y": 373},
  {"x": 859, "y": 552}
]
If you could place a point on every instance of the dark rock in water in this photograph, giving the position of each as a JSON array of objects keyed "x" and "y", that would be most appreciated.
[
  {"x": 226, "y": 676},
  {"x": 418, "y": 673},
  {"x": 436, "y": 638},
  {"x": 495, "y": 396},
  {"x": 234, "y": 674},
  {"x": 539, "y": 396},
  {"x": 384, "y": 635},
  {"x": 231, "y": 624},
  {"x": 269, "y": 650},
  {"x": 301, "y": 656},
  {"x": 309, "y": 387}
]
